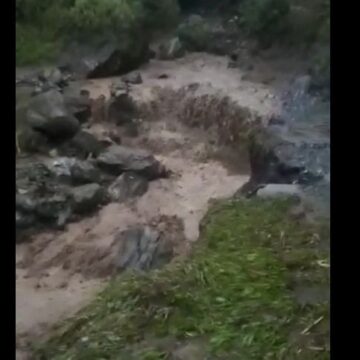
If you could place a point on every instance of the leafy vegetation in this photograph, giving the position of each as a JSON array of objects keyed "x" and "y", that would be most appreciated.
[
  {"x": 42, "y": 27},
  {"x": 232, "y": 296},
  {"x": 264, "y": 18}
]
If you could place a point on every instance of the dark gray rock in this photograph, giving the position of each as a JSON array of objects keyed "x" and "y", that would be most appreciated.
[
  {"x": 278, "y": 158},
  {"x": 54, "y": 210},
  {"x": 87, "y": 198},
  {"x": 47, "y": 114},
  {"x": 82, "y": 145},
  {"x": 127, "y": 185},
  {"x": 74, "y": 172},
  {"x": 114, "y": 58},
  {"x": 141, "y": 248},
  {"x": 118, "y": 159}
]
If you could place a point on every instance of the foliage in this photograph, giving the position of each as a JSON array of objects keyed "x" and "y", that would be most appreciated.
[
  {"x": 264, "y": 19},
  {"x": 232, "y": 295},
  {"x": 48, "y": 21}
]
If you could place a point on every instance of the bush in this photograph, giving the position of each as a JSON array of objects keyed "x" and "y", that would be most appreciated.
[
  {"x": 41, "y": 23},
  {"x": 264, "y": 19}
]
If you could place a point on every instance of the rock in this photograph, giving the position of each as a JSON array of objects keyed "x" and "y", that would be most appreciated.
[
  {"x": 133, "y": 78},
  {"x": 82, "y": 145},
  {"x": 122, "y": 109},
  {"x": 47, "y": 114},
  {"x": 87, "y": 198},
  {"x": 171, "y": 50},
  {"x": 118, "y": 159},
  {"x": 141, "y": 248},
  {"x": 275, "y": 190},
  {"x": 126, "y": 186},
  {"x": 73, "y": 171},
  {"x": 114, "y": 58},
  {"x": 278, "y": 158},
  {"x": 52, "y": 76},
  {"x": 54, "y": 210}
]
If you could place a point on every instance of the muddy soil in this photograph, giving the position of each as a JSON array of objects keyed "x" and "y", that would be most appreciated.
[{"x": 60, "y": 272}]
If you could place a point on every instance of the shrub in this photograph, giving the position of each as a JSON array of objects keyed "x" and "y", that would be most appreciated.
[
  {"x": 49, "y": 22},
  {"x": 264, "y": 19}
]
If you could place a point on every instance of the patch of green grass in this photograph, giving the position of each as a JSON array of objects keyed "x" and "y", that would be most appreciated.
[{"x": 232, "y": 294}]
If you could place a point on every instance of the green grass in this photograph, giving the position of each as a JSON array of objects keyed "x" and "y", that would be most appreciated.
[{"x": 232, "y": 295}]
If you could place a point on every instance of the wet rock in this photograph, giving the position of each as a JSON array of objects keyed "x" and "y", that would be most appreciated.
[
  {"x": 276, "y": 157},
  {"x": 74, "y": 171},
  {"x": 171, "y": 49},
  {"x": 133, "y": 78},
  {"x": 47, "y": 114},
  {"x": 87, "y": 198},
  {"x": 54, "y": 210},
  {"x": 126, "y": 186},
  {"x": 82, "y": 145},
  {"x": 108, "y": 60},
  {"x": 122, "y": 109},
  {"x": 118, "y": 159},
  {"x": 141, "y": 248}
]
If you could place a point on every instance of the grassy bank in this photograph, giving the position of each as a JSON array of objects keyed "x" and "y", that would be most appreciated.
[{"x": 232, "y": 299}]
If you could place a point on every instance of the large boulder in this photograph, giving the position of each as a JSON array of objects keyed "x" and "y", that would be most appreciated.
[
  {"x": 118, "y": 159},
  {"x": 127, "y": 185},
  {"x": 114, "y": 58},
  {"x": 47, "y": 114}
]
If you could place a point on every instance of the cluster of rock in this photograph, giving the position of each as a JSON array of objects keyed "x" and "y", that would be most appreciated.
[
  {"x": 52, "y": 192},
  {"x": 82, "y": 172}
]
